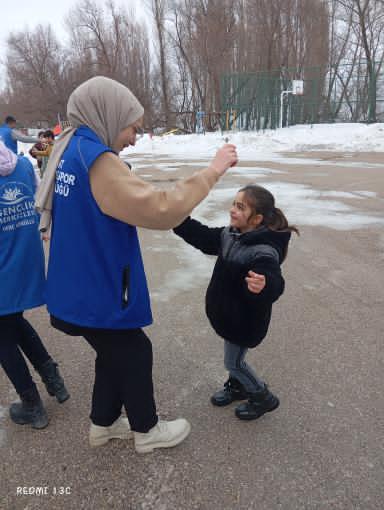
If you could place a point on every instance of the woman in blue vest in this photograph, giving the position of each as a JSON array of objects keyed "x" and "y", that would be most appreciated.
[
  {"x": 22, "y": 285},
  {"x": 96, "y": 284}
]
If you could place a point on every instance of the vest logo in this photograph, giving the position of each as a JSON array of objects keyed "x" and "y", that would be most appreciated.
[
  {"x": 17, "y": 206},
  {"x": 13, "y": 193},
  {"x": 64, "y": 181}
]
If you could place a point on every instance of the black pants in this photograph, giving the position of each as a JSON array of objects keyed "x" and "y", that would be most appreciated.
[
  {"x": 123, "y": 377},
  {"x": 16, "y": 335}
]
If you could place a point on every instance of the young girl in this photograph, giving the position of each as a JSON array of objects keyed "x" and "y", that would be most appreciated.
[{"x": 246, "y": 280}]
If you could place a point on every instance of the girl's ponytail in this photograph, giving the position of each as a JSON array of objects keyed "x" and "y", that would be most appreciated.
[{"x": 278, "y": 221}]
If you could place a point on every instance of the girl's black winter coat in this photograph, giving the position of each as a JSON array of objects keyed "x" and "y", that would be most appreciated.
[{"x": 234, "y": 312}]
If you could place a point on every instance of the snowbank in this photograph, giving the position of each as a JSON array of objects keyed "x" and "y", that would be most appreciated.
[{"x": 254, "y": 145}]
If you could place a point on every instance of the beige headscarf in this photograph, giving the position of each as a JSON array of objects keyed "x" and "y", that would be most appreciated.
[{"x": 105, "y": 106}]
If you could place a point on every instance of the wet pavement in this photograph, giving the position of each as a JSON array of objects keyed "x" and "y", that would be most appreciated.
[{"x": 322, "y": 449}]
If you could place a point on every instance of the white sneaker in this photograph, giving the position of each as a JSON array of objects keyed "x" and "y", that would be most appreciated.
[
  {"x": 120, "y": 429},
  {"x": 163, "y": 435}
]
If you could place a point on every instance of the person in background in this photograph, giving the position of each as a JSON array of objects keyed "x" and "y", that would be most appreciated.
[
  {"x": 95, "y": 258},
  {"x": 39, "y": 146},
  {"x": 10, "y": 136},
  {"x": 44, "y": 154},
  {"x": 22, "y": 284}
]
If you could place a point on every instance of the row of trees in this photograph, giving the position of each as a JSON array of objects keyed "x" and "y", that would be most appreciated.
[
  {"x": 175, "y": 63},
  {"x": 355, "y": 76}
]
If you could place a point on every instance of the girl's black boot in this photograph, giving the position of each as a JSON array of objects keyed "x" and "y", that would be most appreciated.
[
  {"x": 30, "y": 410},
  {"x": 53, "y": 381},
  {"x": 233, "y": 390},
  {"x": 258, "y": 404}
]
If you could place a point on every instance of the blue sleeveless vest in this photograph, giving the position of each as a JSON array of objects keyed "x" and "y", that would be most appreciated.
[
  {"x": 6, "y": 138},
  {"x": 95, "y": 274},
  {"x": 22, "y": 278}
]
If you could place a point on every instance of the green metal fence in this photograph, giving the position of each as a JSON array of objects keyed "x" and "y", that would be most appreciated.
[{"x": 252, "y": 101}]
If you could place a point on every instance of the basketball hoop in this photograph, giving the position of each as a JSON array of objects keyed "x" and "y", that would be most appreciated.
[
  {"x": 297, "y": 90},
  {"x": 297, "y": 87}
]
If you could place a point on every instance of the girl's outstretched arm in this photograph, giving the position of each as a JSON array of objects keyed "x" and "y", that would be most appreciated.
[{"x": 200, "y": 236}]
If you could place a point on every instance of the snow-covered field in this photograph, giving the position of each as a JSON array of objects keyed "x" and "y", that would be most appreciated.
[
  {"x": 266, "y": 144},
  {"x": 252, "y": 145}
]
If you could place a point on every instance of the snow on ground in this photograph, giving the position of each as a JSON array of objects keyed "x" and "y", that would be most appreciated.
[{"x": 253, "y": 145}]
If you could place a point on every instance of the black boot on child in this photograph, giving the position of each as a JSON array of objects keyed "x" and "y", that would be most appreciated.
[
  {"x": 30, "y": 410},
  {"x": 233, "y": 390},
  {"x": 258, "y": 404}
]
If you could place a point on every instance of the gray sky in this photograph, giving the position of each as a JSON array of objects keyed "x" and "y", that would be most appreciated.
[{"x": 21, "y": 13}]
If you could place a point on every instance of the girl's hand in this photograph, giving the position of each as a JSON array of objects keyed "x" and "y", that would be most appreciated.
[
  {"x": 225, "y": 158},
  {"x": 255, "y": 282}
]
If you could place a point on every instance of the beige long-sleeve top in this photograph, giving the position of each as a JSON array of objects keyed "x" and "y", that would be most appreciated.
[
  {"x": 46, "y": 152},
  {"x": 123, "y": 195}
]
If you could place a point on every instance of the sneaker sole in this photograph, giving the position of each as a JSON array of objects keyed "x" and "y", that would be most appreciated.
[
  {"x": 164, "y": 444},
  {"x": 94, "y": 443},
  {"x": 250, "y": 417}
]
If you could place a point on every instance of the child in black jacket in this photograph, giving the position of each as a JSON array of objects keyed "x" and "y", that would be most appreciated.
[{"x": 246, "y": 280}]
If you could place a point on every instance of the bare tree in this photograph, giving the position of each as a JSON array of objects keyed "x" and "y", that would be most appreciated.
[
  {"x": 367, "y": 21},
  {"x": 108, "y": 40},
  {"x": 204, "y": 33},
  {"x": 336, "y": 44},
  {"x": 35, "y": 78},
  {"x": 158, "y": 9}
]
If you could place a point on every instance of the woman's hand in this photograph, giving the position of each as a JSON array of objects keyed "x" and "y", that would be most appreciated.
[
  {"x": 224, "y": 159},
  {"x": 255, "y": 282}
]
